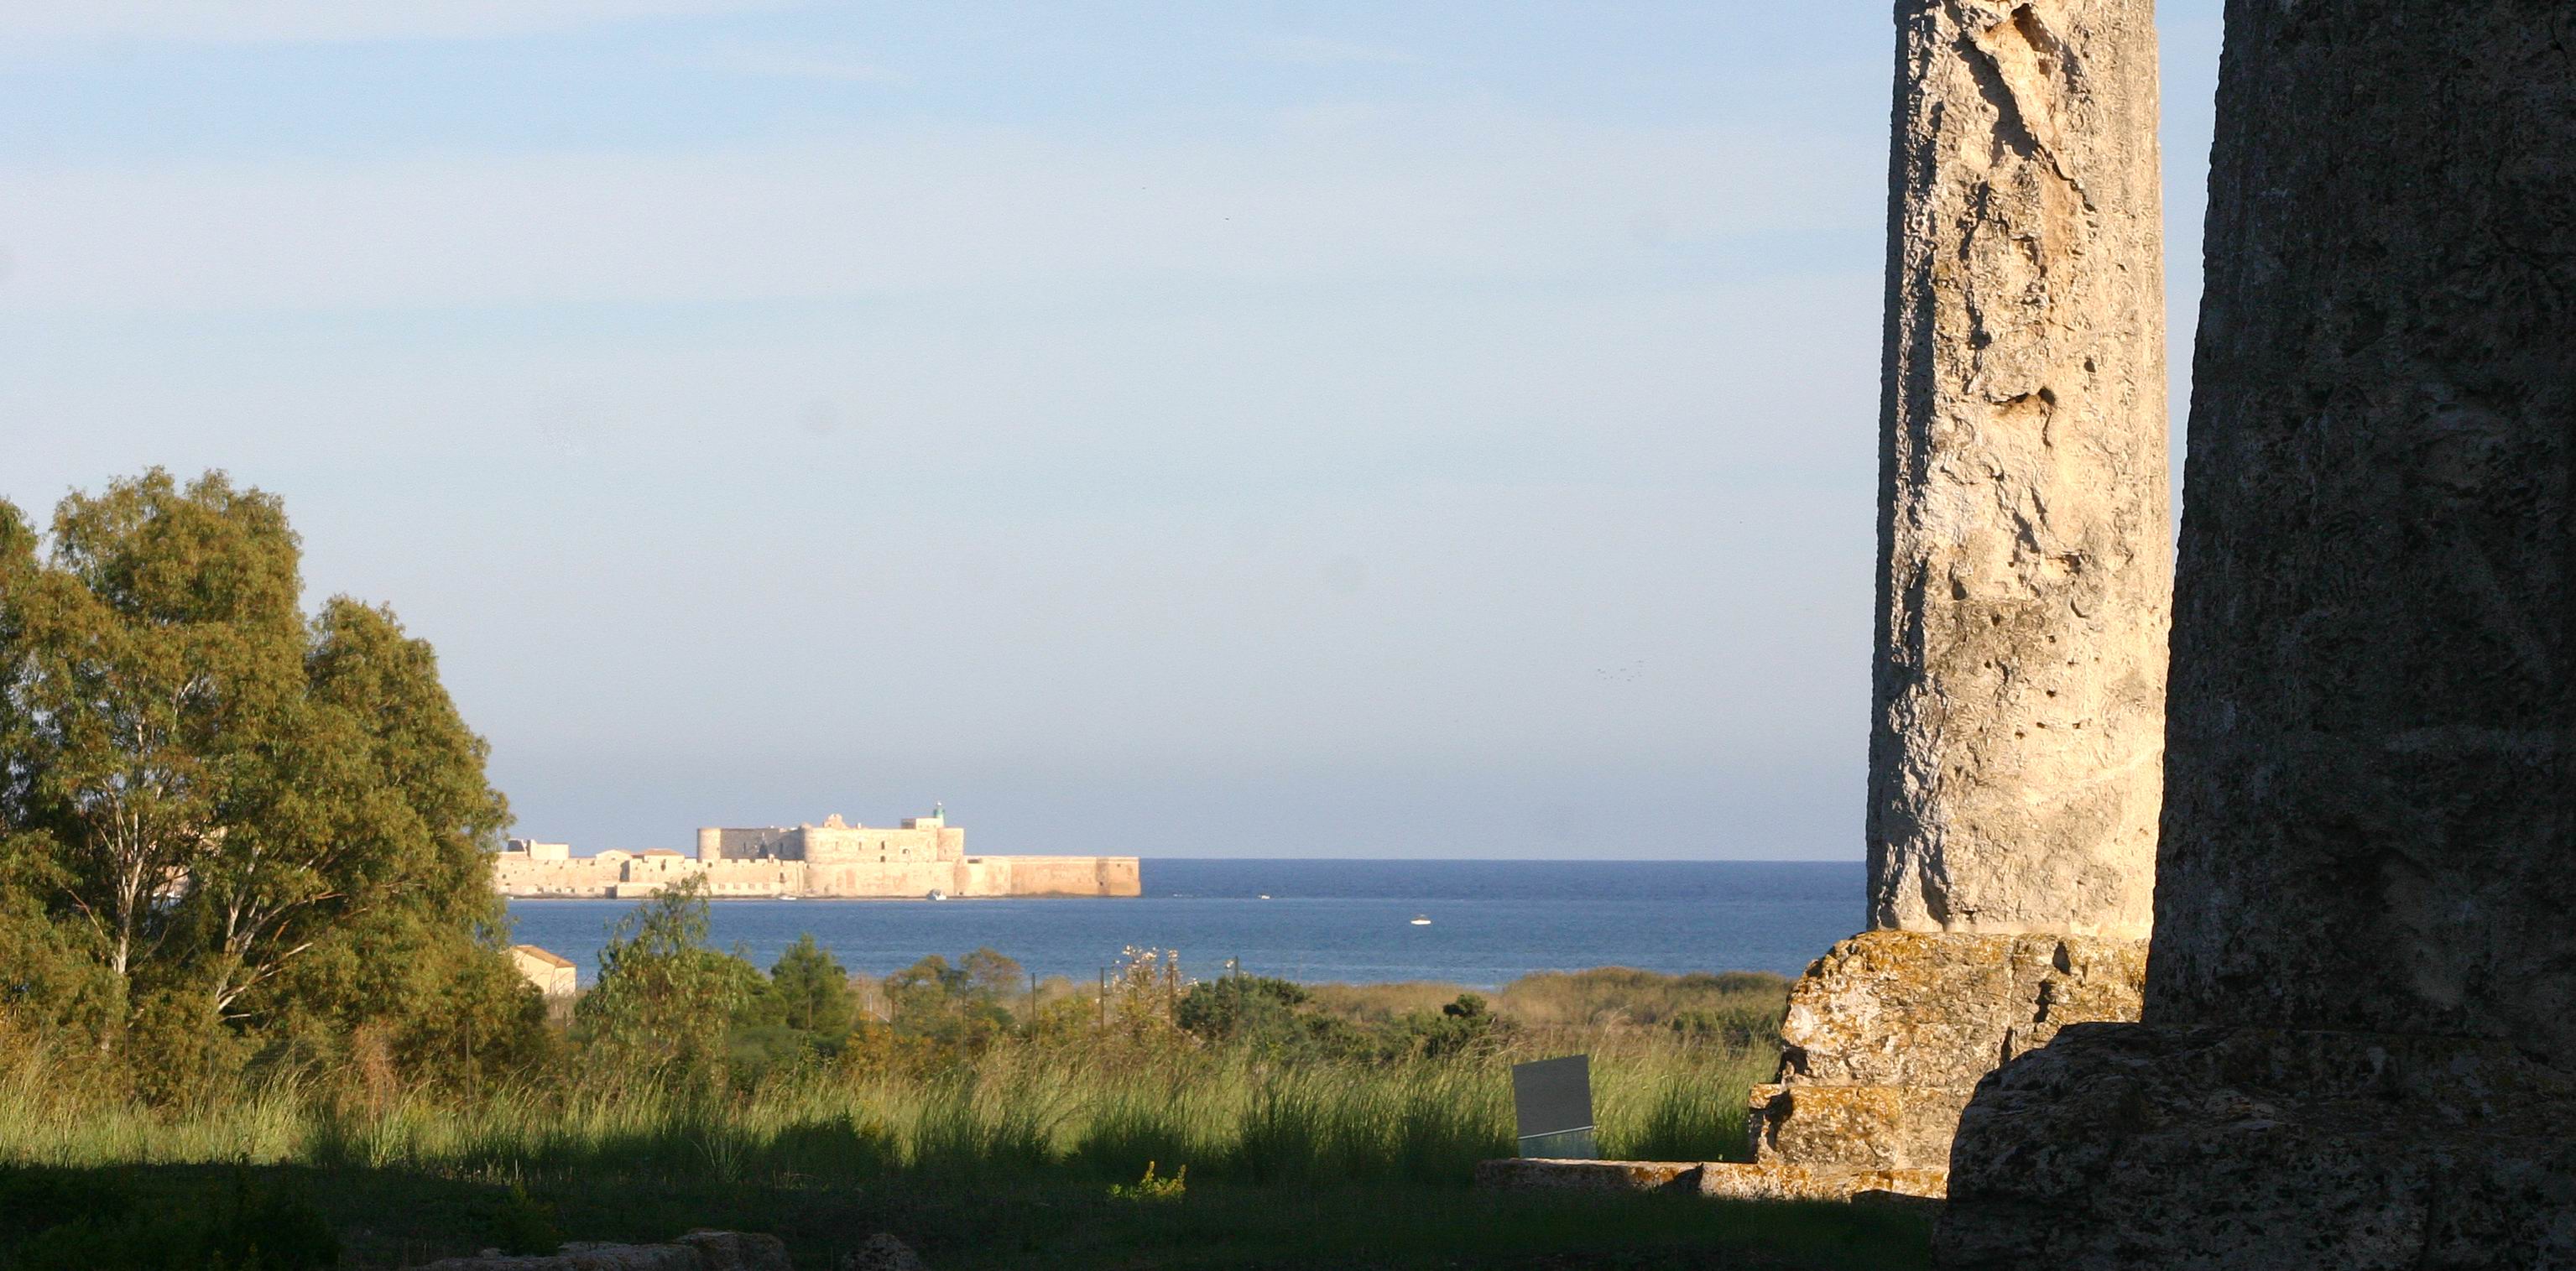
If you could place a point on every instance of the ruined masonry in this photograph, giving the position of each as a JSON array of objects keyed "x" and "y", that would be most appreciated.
[
  {"x": 2017, "y": 730},
  {"x": 2359, "y": 1045},
  {"x": 2017, "y": 734}
]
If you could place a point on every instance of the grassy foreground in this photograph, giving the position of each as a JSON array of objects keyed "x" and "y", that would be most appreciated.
[
  {"x": 1030, "y": 1147},
  {"x": 395, "y": 1218}
]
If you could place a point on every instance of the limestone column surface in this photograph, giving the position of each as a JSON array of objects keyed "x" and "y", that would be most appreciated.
[
  {"x": 2371, "y": 821},
  {"x": 2016, "y": 731},
  {"x": 2017, "y": 725},
  {"x": 2359, "y": 1042}
]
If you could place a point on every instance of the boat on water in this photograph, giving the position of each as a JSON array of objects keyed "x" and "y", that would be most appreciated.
[
  {"x": 1420, "y": 920},
  {"x": 936, "y": 894}
]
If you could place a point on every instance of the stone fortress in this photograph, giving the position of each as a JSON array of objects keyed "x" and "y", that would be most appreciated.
[{"x": 924, "y": 857}]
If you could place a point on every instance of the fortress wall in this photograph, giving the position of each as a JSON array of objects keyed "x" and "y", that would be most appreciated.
[
  {"x": 980, "y": 875},
  {"x": 1121, "y": 876},
  {"x": 662, "y": 868},
  {"x": 871, "y": 878},
  {"x": 1051, "y": 876},
  {"x": 750, "y": 844},
  {"x": 582, "y": 877},
  {"x": 867, "y": 843},
  {"x": 624, "y": 876},
  {"x": 755, "y": 878}
]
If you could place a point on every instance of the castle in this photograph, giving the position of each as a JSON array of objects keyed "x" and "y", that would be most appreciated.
[{"x": 924, "y": 857}]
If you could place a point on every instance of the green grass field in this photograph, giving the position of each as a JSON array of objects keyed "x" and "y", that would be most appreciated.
[
  {"x": 395, "y": 1218},
  {"x": 1023, "y": 1148}
]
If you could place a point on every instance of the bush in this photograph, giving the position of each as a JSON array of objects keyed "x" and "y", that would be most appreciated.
[
  {"x": 35, "y": 1200},
  {"x": 1150, "y": 1188},
  {"x": 1464, "y": 1025},
  {"x": 1267, "y": 1018},
  {"x": 178, "y": 1050},
  {"x": 664, "y": 1000},
  {"x": 252, "y": 1229},
  {"x": 1221, "y": 1010},
  {"x": 519, "y": 1224}
]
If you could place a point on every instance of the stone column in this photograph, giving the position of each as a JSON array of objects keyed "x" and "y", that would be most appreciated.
[
  {"x": 2361, "y": 1010},
  {"x": 2017, "y": 722},
  {"x": 2017, "y": 726}
]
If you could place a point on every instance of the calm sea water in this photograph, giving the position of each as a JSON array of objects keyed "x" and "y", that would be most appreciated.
[{"x": 1350, "y": 921}]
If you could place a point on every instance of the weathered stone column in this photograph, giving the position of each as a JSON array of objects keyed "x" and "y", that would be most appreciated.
[
  {"x": 2361, "y": 1009},
  {"x": 2017, "y": 726},
  {"x": 2018, "y": 702}
]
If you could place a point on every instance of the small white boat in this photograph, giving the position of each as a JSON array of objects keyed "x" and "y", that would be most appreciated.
[
  {"x": 1265, "y": 895},
  {"x": 1421, "y": 921},
  {"x": 936, "y": 894}
]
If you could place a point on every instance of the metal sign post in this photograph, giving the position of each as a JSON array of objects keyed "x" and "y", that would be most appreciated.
[{"x": 1552, "y": 1099}]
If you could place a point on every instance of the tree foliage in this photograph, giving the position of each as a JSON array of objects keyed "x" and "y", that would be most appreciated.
[
  {"x": 665, "y": 1001},
  {"x": 962, "y": 1006},
  {"x": 220, "y": 813},
  {"x": 813, "y": 990}
]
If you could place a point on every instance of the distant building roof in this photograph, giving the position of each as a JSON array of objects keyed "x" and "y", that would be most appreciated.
[{"x": 659, "y": 851}]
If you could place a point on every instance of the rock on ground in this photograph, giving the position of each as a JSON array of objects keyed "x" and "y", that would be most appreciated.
[
  {"x": 696, "y": 1251},
  {"x": 882, "y": 1252}
]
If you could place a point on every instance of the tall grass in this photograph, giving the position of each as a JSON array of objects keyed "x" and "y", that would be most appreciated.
[{"x": 1095, "y": 1109}]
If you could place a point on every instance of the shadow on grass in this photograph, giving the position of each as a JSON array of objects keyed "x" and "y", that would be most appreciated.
[{"x": 52, "y": 1218}]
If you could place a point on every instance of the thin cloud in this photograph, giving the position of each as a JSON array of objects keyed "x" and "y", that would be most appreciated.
[
  {"x": 1313, "y": 201},
  {"x": 1307, "y": 50},
  {"x": 837, "y": 64},
  {"x": 29, "y": 23}
]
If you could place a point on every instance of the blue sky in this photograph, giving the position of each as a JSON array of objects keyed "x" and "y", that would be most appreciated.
[{"x": 1248, "y": 429}]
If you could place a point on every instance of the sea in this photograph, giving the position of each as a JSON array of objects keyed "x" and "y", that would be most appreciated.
[{"x": 1476, "y": 923}]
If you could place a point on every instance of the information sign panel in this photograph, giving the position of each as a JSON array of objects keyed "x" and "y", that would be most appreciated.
[{"x": 1552, "y": 1099}]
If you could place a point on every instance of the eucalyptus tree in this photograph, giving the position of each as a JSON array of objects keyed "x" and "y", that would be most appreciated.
[
  {"x": 151, "y": 655},
  {"x": 371, "y": 812},
  {"x": 283, "y": 819}
]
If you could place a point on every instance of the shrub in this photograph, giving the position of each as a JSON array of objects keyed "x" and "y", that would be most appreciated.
[
  {"x": 1150, "y": 1188},
  {"x": 252, "y": 1229},
  {"x": 519, "y": 1224}
]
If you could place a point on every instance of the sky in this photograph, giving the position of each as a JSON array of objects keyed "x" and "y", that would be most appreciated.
[{"x": 1262, "y": 429}]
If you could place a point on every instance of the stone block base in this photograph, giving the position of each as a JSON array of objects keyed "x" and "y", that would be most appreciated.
[
  {"x": 1933, "y": 1008},
  {"x": 1720, "y": 1179},
  {"x": 2122, "y": 1146},
  {"x": 1885, "y": 1037},
  {"x": 1856, "y": 1127},
  {"x": 1778, "y": 1181},
  {"x": 1537, "y": 1173}
]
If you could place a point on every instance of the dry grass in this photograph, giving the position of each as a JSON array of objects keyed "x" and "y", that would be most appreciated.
[{"x": 1101, "y": 1111}]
